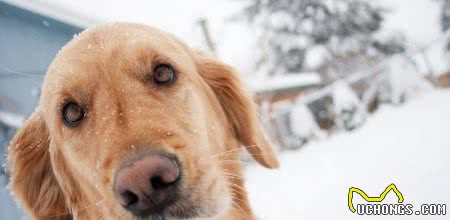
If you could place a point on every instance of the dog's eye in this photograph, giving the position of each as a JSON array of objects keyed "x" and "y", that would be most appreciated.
[
  {"x": 72, "y": 114},
  {"x": 164, "y": 74}
]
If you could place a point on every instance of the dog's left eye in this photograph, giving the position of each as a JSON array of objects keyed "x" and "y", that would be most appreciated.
[
  {"x": 164, "y": 74},
  {"x": 72, "y": 114}
]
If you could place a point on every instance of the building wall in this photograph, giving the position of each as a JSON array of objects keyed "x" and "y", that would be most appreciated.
[{"x": 28, "y": 43}]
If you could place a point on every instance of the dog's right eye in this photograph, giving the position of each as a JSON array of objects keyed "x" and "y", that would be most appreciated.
[
  {"x": 164, "y": 74},
  {"x": 72, "y": 114}
]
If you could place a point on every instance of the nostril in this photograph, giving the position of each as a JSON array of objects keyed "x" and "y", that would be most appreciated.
[
  {"x": 129, "y": 198},
  {"x": 158, "y": 183}
]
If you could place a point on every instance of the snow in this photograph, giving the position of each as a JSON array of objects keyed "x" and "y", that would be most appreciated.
[
  {"x": 11, "y": 119},
  {"x": 349, "y": 111},
  {"x": 407, "y": 145},
  {"x": 303, "y": 124},
  {"x": 405, "y": 81},
  {"x": 434, "y": 59},
  {"x": 315, "y": 57},
  {"x": 418, "y": 21},
  {"x": 284, "y": 82}
]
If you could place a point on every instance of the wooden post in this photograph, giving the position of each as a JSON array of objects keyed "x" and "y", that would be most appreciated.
[{"x": 204, "y": 25}]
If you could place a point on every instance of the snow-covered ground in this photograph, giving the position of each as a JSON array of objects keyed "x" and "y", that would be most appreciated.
[{"x": 408, "y": 145}]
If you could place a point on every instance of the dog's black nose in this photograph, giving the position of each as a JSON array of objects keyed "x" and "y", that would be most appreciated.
[{"x": 148, "y": 185}]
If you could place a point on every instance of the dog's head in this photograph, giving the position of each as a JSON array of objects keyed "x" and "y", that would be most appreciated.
[{"x": 133, "y": 123}]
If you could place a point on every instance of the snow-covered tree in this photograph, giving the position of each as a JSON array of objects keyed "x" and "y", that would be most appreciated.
[
  {"x": 292, "y": 29},
  {"x": 445, "y": 18},
  {"x": 348, "y": 110}
]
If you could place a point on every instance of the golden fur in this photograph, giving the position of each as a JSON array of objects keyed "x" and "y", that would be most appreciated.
[{"x": 204, "y": 118}]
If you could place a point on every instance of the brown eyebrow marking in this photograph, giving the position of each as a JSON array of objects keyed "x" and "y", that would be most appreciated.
[{"x": 121, "y": 119}]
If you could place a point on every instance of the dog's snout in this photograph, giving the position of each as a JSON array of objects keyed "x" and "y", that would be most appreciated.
[{"x": 148, "y": 185}]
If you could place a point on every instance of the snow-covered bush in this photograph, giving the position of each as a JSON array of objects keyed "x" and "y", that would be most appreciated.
[
  {"x": 290, "y": 125},
  {"x": 348, "y": 111},
  {"x": 303, "y": 125},
  {"x": 404, "y": 81}
]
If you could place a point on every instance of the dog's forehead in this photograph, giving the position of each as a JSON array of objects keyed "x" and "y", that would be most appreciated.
[
  {"x": 115, "y": 43},
  {"x": 128, "y": 33},
  {"x": 117, "y": 47}
]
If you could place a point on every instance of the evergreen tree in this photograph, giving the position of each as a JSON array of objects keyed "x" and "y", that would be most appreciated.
[
  {"x": 445, "y": 18},
  {"x": 290, "y": 28}
]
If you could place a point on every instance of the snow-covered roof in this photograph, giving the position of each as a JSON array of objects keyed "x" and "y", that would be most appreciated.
[
  {"x": 285, "y": 82},
  {"x": 11, "y": 119},
  {"x": 55, "y": 11}
]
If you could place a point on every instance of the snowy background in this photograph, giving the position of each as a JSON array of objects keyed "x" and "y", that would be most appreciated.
[
  {"x": 407, "y": 145},
  {"x": 353, "y": 92}
]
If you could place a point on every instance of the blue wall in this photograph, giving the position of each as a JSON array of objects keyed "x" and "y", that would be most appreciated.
[{"x": 28, "y": 43}]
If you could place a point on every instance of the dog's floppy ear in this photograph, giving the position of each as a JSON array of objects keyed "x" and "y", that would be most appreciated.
[
  {"x": 32, "y": 181},
  {"x": 239, "y": 107}
]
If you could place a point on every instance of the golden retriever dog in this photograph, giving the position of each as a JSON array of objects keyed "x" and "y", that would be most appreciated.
[{"x": 133, "y": 124}]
